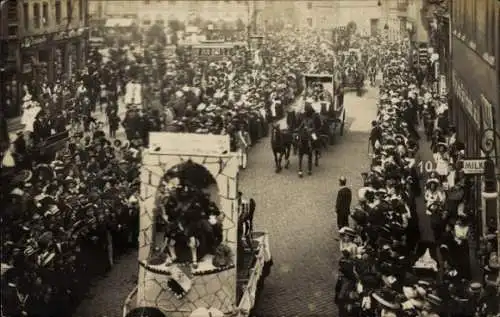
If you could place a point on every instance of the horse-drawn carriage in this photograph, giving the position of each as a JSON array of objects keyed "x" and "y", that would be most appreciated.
[
  {"x": 314, "y": 126},
  {"x": 321, "y": 95},
  {"x": 353, "y": 75}
]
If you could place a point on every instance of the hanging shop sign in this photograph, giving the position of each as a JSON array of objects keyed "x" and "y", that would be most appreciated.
[
  {"x": 473, "y": 167},
  {"x": 464, "y": 96},
  {"x": 31, "y": 41},
  {"x": 487, "y": 113},
  {"x": 66, "y": 35},
  {"x": 436, "y": 70},
  {"x": 443, "y": 90}
]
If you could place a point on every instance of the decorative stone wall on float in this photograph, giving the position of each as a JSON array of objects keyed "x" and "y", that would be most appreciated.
[{"x": 216, "y": 290}]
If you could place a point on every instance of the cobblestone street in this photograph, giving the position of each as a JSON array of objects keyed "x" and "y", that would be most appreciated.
[{"x": 299, "y": 215}]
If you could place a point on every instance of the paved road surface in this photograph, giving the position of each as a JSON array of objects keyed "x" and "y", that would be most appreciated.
[{"x": 299, "y": 215}]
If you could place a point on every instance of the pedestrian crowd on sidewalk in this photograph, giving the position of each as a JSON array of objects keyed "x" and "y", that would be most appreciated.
[
  {"x": 387, "y": 267},
  {"x": 70, "y": 193},
  {"x": 65, "y": 221}
]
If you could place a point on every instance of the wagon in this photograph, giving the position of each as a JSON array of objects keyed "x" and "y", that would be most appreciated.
[
  {"x": 228, "y": 278},
  {"x": 332, "y": 111},
  {"x": 352, "y": 70}
]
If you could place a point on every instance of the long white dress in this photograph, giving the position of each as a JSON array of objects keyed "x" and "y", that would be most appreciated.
[
  {"x": 442, "y": 163},
  {"x": 28, "y": 118},
  {"x": 8, "y": 159}
]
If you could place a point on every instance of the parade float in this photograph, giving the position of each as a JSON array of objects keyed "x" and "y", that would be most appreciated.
[{"x": 198, "y": 253}]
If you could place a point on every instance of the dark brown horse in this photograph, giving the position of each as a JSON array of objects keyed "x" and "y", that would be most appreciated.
[
  {"x": 309, "y": 143},
  {"x": 281, "y": 144}
]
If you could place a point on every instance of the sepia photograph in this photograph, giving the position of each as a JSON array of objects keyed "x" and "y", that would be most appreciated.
[{"x": 253, "y": 158}]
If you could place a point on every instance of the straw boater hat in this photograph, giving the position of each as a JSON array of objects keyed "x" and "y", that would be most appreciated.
[
  {"x": 387, "y": 300},
  {"x": 432, "y": 181},
  {"x": 347, "y": 232}
]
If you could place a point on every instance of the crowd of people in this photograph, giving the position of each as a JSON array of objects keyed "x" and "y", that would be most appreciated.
[
  {"x": 69, "y": 192},
  {"x": 388, "y": 268},
  {"x": 71, "y": 202}
]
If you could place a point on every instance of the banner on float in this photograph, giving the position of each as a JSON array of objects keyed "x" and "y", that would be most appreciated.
[{"x": 189, "y": 144}]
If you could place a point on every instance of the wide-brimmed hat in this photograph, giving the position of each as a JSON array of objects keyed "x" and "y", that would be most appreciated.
[
  {"x": 432, "y": 180},
  {"x": 387, "y": 299},
  {"x": 493, "y": 264},
  {"x": 475, "y": 288},
  {"x": 17, "y": 192},
  {"x": 348, "y": 232}
]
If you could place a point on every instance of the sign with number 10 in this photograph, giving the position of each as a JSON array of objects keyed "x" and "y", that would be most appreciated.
[{"x": 426, "y": 166}]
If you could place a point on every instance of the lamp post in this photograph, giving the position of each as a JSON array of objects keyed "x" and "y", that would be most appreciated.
[{"x": 490, "y": 184}]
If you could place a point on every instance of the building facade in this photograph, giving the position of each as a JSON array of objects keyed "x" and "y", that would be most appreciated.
[
  {"x": 102, "y": 9},
  {"x": 475, "y": 84},
  {"x": 316, "y": 14},
  {"x": 42, "y": 40},
  {"x": 474, "y": 73},
  {"x": 169, "y": 10},
  {"x": 414, "y": 16},
  {"x": 371, "y": 17}
]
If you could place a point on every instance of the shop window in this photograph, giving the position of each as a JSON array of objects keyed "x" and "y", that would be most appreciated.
[
  {"x": 57, "y": 9},
  {"x": 11, "y": 109},
  {"x": 491, "y": 27},
  {"x": 26, "y": 16},
  {"x": 481, "y": 26},
  {"x": 45, "y": 14},
  {"x": 460, "y": 15},
  {"x": 472, "y": 22},
  {"x": 81, "y": 10},
  {"x": 36, "y": 15},
  {"x": 69, "y": 10},
  {"x": 310, "y": 22}
]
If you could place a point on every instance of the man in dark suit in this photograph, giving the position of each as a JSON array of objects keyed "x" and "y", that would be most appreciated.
[{"x": 343, "y": 203}]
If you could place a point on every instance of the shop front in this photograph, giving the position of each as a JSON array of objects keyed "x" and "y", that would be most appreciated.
[
  {"x": 467, "y": 114},
  {"x": 69, "y": 51},
  {"x": 9, "y": 92},
  {"x": 35, "y": 59},
  {"x": 474, "y": 93},
  {"x": 46, "y": 57},
  {"x": 474, "y": 112}
]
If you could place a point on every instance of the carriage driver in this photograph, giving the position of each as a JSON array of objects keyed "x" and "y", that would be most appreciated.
[{"x": 308, "y": 121}]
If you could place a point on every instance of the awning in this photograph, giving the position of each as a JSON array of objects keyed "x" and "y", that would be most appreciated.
[
  {"x": 118, "y": 23},
  {"x": 192, "y": 29}
]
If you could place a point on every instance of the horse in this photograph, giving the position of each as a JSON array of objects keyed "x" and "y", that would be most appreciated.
[
  {"x": 281, "y": 143},
  {"x": 308, "y": 143},
  {"x": 292, "y": 124}
]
